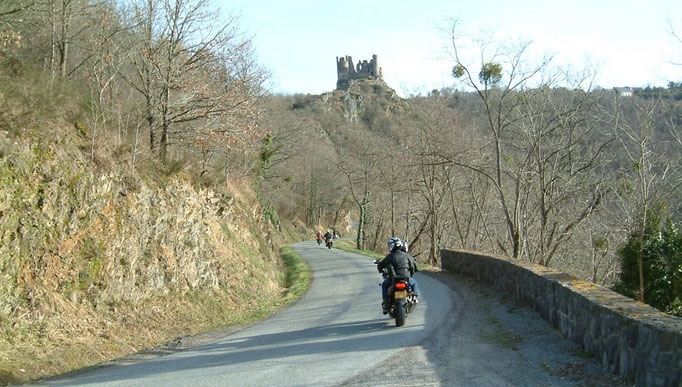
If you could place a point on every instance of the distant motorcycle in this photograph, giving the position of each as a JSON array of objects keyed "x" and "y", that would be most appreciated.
[
  {"x": 319, "y": 241},
  {"x": 401, "y": 298},
  {"x": 328, "y": 242}
]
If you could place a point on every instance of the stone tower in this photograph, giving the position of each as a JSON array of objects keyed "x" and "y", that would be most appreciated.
[{"x": 363, "y": 70}]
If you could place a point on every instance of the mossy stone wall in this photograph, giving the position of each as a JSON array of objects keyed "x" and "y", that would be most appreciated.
[{"x": 637, "y": 342}]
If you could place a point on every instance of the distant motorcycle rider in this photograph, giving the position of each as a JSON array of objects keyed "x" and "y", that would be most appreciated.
[
  {"x": 398, "y": 263},
  {"x": 328, "y": 235}
]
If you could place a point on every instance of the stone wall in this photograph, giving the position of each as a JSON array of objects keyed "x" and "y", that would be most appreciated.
[{"x": 635, "y": 341}]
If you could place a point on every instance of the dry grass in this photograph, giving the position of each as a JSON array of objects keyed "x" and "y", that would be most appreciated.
[{"x": 44, "y": 343}]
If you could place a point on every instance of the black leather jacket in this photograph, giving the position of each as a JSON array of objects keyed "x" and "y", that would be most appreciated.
[{"x": 403, "y": 264}]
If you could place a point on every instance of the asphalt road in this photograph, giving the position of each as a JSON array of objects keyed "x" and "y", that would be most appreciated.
[
  {"x": 335, "y": 334},
  {"x": 462, "y": 333}
]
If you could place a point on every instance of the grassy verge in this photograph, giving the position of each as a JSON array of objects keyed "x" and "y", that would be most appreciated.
[
  {"x": 297, "y": 278},
  {"x": 349, "y": 245},
  {"x": 296, "y": 275}
]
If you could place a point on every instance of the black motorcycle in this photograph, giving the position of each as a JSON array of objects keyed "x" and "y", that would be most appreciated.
[
  {"x": 329, "y": 243},
  {"x": 401, "y": 298}
]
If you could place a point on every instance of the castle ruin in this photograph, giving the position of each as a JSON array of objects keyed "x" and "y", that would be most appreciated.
[{"x": 347, "y": 72}]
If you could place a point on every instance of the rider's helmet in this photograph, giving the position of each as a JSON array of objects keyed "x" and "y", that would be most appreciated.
[
  {"x": 405, "y": 247},
  {"x": 394, "y": 243}
]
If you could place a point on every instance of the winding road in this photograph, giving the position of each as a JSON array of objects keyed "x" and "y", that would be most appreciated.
[
  {"x": 334, "y": 332},
  {"x": 462, "y": 333}
]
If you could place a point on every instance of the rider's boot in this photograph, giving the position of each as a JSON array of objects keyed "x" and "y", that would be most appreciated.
[{"x": 384, "y": 306}]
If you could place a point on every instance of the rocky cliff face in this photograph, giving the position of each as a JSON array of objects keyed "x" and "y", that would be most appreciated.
[
  {"x": 363, "y": 99},
  {"x": 366, "y": 96},
  {"x": 98, "y": 262}
]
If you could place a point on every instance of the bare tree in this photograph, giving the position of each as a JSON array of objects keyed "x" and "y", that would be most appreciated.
[
  {"x": 67, "y": 25},
  {"x": 194, "y": 66},
  {"x": 11, "y": 22},
  {"x": 8, "y": 8},
  {"x": 649, "y": 174},
  {"x": 532, "y": 158},
  {"x": 559, "y": 141},
  {"x": 500, "y": 104},
  {"x": 108, "y": 49},
  {"x": 303, "y": 179},
  {"x": 359, "y": 166},
  {"x": 143, "y": 19},
  {"x": 437, "y": 132}
]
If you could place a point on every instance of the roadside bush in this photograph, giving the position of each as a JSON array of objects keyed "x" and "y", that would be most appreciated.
[{"x": 662, "y": 267}]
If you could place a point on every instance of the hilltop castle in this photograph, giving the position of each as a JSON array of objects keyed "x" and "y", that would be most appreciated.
[{"x": 347, "y": 72}]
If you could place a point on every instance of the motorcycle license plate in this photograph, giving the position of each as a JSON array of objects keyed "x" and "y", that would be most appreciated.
[{"x": 400, "y": 294}]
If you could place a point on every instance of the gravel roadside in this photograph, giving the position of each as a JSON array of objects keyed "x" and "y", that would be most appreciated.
[{"x": 491, "y": 340}]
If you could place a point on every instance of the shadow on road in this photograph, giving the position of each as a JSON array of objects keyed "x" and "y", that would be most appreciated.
[
  {"x": 321, "y": 326},
  {"x": 328, "y": 339}
]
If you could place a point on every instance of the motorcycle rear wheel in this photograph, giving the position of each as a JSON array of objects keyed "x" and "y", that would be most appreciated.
[{"x": 400, "y": 314}]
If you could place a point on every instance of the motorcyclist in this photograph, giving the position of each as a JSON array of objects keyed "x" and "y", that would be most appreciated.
[
  {"x": 399, "y": 263},
  {"x": 319, "y": 237},
  {"x": 328, "y": 236}
]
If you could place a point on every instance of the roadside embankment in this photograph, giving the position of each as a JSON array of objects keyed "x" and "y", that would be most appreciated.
[
  {"x": 633, "y": 340},
  {"x": 99, "y": 264}
]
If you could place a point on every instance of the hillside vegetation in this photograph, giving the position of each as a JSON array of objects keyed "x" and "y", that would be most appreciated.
[
  {"x": 128, "y": 210},
  {"x": 148, "y": 176},
  {"x": 524, "y": 160},
  {"x": 97, "y": 263}
]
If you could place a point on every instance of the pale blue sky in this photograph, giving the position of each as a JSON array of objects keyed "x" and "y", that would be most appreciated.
[{"x": 299, "y": 40}]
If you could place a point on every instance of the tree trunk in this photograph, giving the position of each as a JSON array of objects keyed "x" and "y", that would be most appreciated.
[
  {"x": 407, "y": 219},
  {"x": 433, "y": 249},
  {"x": 393, "y": 213},
  {"x": 53, "y": 38},
  {"x": 360, "y": 240},
  {"x": 152, "y": 133},
  {"x": 640, "y": 258},
  {"x": 163, "y": 143},
  {"x": 377, "y": 233},
  {"x": 64, "y": 44}
]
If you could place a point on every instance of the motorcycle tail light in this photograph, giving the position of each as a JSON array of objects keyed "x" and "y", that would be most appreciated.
[{"x": 400, "y": 285}]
